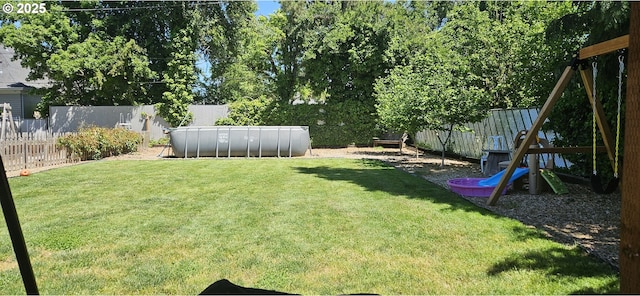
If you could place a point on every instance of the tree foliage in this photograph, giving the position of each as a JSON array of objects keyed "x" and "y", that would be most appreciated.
[
  {"x": 123, "y": 52},
  {"x": 479, "y": 57},
  {"x": 35, "y": 37},
  {"x": 230, "y": 44},
  {"x": 588, "y": 23},
  {"x": 98, "y": 72},
  {"x": 434, "y": 92},
  {"x": 247, "y": 112},
  {"x": 180, "y": 80},
  {"x": 358, "y": 59}
]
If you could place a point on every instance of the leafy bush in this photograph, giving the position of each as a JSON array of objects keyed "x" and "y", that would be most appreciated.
[
  {"x": 330, "y": 125},
  {"x": 246, "y": 112},
  {"x": 161, "y": 141},
  {"x": 98, "y": 142}
]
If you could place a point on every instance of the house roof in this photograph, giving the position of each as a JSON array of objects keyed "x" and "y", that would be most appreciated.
[{"x": 13, "y": 75}]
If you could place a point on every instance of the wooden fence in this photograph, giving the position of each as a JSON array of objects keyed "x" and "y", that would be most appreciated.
[
  {"x": 500, "y": 122},
  {"x": 33, "y": 150}
]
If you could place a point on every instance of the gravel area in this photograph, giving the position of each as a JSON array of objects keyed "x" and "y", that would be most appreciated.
[{"x": 581, "y": 217}]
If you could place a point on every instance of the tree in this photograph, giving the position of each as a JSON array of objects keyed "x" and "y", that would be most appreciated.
[
  {"x": 434, "y": 92},
  {"x": 344, "y": 56},
  {"x": 138, "y": 37},
  {"x": 504, "y": 44},
  {"x": 250, "y": 76},
  {"x": 229, "y": 39},
  {"x": 288, "y": 28},
  {"x": 98, "y": 72},
  {"x": 180, "y": 80},
  {"x": 588, "y": 23},
  {"x": 484, "y": 54},
  {"x": 213, "y": 26},
  {"x": 246, "y": 112},
  {"x": 410, "y": 22},
  {"x": 35, "y": 37}
]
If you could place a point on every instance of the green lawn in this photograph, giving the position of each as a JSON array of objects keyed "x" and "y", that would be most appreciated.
[{"x": 311, "y": 226}]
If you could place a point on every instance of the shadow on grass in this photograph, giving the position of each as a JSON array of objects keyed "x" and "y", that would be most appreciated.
[
  {"x": 379, "y": 176},
  {"x": 611, "y": 287},
  {"x": 562, "y": 265},
  {"x": 559, "y": 263},
  {"x": 528, "y": 233}
]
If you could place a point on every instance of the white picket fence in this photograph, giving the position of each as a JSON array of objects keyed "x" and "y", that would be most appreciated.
[{"x": 33, "y": 150}]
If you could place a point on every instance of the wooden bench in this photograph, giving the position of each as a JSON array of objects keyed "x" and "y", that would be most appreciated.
[{"x": 390, "y": 139}]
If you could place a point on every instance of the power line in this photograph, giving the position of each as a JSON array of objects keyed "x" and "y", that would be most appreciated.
[{"x": 133, "y": 8}]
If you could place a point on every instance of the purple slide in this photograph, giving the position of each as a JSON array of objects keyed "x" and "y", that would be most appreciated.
[{"x": 493, "y": 180}]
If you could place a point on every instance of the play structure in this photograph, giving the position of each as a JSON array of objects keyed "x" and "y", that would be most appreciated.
[
  {"x": 578, "y": 64},
  {"x": 8, "y": 125},
  {"x": 528, "y": 143},
  {"x": 534, "y": 171},
  {"x": 482, "y": 187}
]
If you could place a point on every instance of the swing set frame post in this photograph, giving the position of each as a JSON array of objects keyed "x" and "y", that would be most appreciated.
[
  {"x": 556, "y": 93},
  {"x": 629, "y": 253},
  {"x": 533, "y": 131},
  {"x": 16, "y": 235}
]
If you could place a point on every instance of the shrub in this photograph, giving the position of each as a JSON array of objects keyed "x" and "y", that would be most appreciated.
[
  {"x": 246, "y": 112},
  {"x": 330, "y": 125},
  {"x": 98, "y": 142},
  {"x": 161, "y": 141}
]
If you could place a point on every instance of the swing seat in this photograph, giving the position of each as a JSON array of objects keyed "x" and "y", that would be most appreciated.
[
  {"x": 596, "y": 181},
  {"x": 596, "y": 185}
]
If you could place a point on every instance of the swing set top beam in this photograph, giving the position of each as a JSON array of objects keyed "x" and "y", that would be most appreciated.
[{"x": 604, "y": 47}]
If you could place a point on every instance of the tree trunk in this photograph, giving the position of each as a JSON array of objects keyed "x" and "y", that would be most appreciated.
[
  {"x": 630, "y": 207},
  {"x": 444, "y": 142}
]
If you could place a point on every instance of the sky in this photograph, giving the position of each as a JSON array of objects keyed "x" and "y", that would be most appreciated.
[{"x": 266, "y": 7}]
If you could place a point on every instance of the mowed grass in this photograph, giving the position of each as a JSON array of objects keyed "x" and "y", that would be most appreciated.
[{"x": 310, "y": 226}]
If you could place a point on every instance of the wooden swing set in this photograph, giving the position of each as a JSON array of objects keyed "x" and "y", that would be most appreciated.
[
  {"x": 630, "y": 206},
  {"x": 577, "y": 64}
]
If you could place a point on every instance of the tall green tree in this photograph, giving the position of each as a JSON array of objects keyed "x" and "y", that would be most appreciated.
[
  {"x": 229, "y": 40},
  {"x": 180, "y": 80},
  {"x": 249, "y": 76},
  {"x": 98, "y": 72},
  {"x": 344, "y": 57},
  {"x": 434, "y": 92},
  {"x": 122, "y": 29},
  {"x": 35, "y": 37},
  {"x": 410, "y": 23},
  {"x": 481, "y": 55},
  {"x": 348, "y": 54},
  {"x": 504, "y": 44},
  {"x": 289, "y": 26},
  {"x": 95, "y": 69}
]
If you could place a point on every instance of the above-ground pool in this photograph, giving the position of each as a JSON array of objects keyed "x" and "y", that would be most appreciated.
[{"x": 226, "y": 141}]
